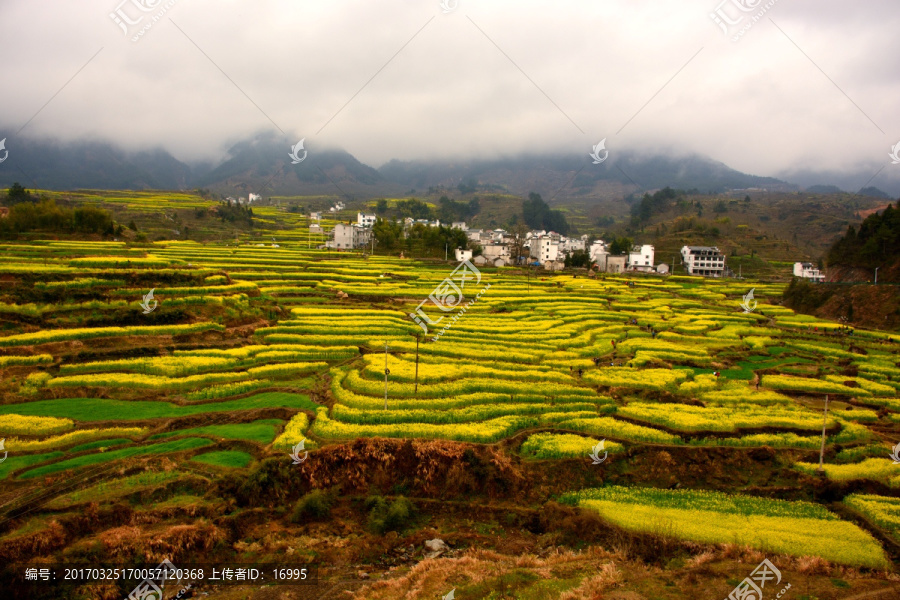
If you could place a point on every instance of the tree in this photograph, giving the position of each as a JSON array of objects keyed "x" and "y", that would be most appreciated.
[
  {"x": 620, "y": 246},
  {"x": 389, "y": 234},
  {"x": 91, "y": 219},
  {"x": 517, "y": 246},
  {"x": 381, "y": 207},
  {"x": 538, "y": 215},
  {"x": 579, "y": 258},
  {"x": 16, "y": 193}
]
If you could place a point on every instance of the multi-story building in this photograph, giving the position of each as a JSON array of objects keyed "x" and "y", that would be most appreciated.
[
  {"x": 545, "y": 247},
  {"x": 570, "y": 245},
  {"x": 365, "y": 220},
  {"x": 349, "y": 236},
  {"x": 641, "y": 258},
  {"x": 703, "y": 260},
  {"x": 808, "y": 271}
]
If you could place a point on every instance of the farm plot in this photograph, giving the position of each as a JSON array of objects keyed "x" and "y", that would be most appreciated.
[{"x": 221, "y": 375}]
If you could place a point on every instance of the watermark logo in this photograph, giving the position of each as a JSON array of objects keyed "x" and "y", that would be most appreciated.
[
  {"x": 751, "y": 587},
  {"x": 448, "y": 6},
  {"x": 146, "y": 304},
  {"x": 6, "y": 152},
  {"x": 895, "y": 153},
  {"x": 727, "y": 20},
  {"x": 2, "y": 447},
  {"x": 296, "y": 159},
  {"x": 125, "y": 21},
  {"x": 152, "y": 587},
  {"x": 297, "y": 450},
  {"x": 895, "y": 455},
  {"x": 749, "y": 304},
  {"x": 448, "y": 295},
  {"x": 601, "y": 147},
  {"x": 451, "y": 595},
  {"x": 595, "y": 455}
]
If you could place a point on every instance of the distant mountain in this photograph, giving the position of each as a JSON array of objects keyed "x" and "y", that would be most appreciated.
[
  {"x": 261, "y": 164},
  {"x": 577, "y": 174},
  {"x": 824, "y": 189},
  {"x": 858, "y": 181},
  {"x": 874, "y": 192},
  {"x": 89, "y": 165}
]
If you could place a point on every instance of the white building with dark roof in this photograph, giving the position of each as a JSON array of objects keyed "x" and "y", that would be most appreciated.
[
  {"x": 703, "y": 260},
  {"x": 641, "y": 258}
]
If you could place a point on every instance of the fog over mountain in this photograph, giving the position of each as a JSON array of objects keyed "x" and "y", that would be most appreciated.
[{"x": 474, "y": 86}]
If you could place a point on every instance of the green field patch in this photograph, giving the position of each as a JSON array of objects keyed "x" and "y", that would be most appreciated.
[
  {"x": 116, "y": 488},
  {"x": 100, "y": 444},
  {"x": 14, "y": 463},
  {"x": 225, "y": 458},
  {"x": 261, "y": 431},
  {"x": 101, "y": 457},
  {"x": 104, "y": 409}
]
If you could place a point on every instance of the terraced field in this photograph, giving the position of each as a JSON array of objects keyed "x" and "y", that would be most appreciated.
[{"x": 190, "y": 409}]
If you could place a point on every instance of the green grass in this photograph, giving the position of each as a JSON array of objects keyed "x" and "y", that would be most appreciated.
[
  {"x": 14, "y": 463},
  {"x": 92, "y": 459},
  {"x": 115, "y": 488},
  {"x": 100, "y": 444},
  {"x": 262, "y": 431},
  {"x": 225, "y": 458},
  {"x": 104, "y": 409}
]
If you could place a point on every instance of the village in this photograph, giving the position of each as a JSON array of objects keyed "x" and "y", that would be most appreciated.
[{"x": 548, "y": 249}]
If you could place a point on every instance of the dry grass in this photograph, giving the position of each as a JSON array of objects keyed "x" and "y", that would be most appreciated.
[
  {"x": 592, "y": 588},
  {"x": 433, "y": 578}
]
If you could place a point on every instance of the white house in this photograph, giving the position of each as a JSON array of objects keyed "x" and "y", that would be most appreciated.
[
  {"x": 597, "y": 249},
  {"x": 458, "y": 225},
  {"x": 570, "y": 245},
  {"x": 703, "y": 260},
  {"x": 545, "y": 247},
  {"x": 347, "y": 236},
  {"x": 495, "y": 251},
  {"x": 315, "y": 216},
  {"x": 254, "y": 198},
  {"x": 365, "y": 220},
  {"x": 808, "y": 271},
  {"x": 462, "y": 255},
  {"x": 315, "y": 228},
  {"x": 641, "y": 258}
]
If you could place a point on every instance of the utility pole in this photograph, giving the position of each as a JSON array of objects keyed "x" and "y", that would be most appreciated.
[
  {"x": 416, "y": 391},
  {"x": 821, "y": 470},
  {"x": 386, "y": 372},
  {"x": 876, "y": 275},
  {"x": 445, "y": 260}
]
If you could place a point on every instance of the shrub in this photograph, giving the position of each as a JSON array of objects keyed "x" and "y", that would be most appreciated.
[
  {"x": 314, "y": 505},
  {"x": 384, "y": 517}
]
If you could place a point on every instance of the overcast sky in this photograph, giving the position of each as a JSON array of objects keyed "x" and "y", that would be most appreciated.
[{"x": 813, "y": 84}]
